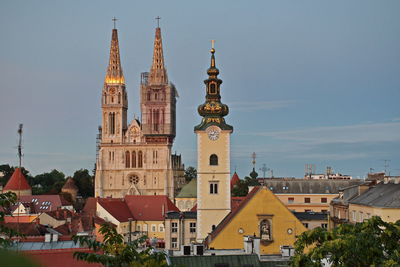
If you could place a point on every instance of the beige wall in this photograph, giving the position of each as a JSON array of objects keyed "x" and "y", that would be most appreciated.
[
  {"x": 299, "y": 204},
  {"x": 212, "y": 208},
  {"x": 155, "y": 177},
  {"x": 183, "y": 235},
  {"x": 48, "y": 220},
  {"x": 359, "y": 213},
  {"x": 185, "y": 204}
]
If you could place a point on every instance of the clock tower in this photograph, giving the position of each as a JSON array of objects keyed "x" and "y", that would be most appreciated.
[{"x": 213, "y": 157}]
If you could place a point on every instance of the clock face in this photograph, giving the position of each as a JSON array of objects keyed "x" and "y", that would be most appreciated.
[{"x": 213, "y": 133}]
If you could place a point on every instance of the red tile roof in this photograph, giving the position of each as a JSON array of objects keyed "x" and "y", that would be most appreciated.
[
  {"x": 235, "y": 179},
  {"x": 60, "y": 214},
  {"x": 17, "y": 182},
  {"x": 116, "y": 207},
  {"x": 149, "y": 208},
  {"x": 59, "y": 257},
  {"x": 27, "y": 229},
  {"x": 44, "y": 203}
]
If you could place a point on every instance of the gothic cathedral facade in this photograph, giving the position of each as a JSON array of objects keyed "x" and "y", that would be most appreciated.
[
  {"x": 136, "y": 158},
  {"x": 213, "y": 157}
]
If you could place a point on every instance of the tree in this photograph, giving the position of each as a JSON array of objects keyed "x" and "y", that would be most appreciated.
[
  {"x": 240, "y": 189},
  {"x": 114, "y": 252},
  {"x": 6, "y": 200},
  {"x": 49, "y": 182},
  {"x": 371, "y": 243},
  {"x": 84, "y": 181},
  {"x": 190, "y": 173}
]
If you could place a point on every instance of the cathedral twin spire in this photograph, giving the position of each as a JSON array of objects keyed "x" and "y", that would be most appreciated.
[
  {"x": 158, "y": 73},
  {"x": 114, "y": 71}
]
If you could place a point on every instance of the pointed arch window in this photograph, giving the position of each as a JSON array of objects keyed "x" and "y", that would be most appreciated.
[
  {"x": 127, "y": 159},
  {"x": 133, "y": 159},
  {"x": 119, "y": 98},
  {"x": 111, "y": 120},
  {"x": 140, "y": 159},
  {"x": 213, "y": 160}
]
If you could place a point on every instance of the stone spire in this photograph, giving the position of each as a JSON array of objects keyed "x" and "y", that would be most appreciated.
[
  {"x": 114, "y": 71},
  {"x": 158, "y": 73},
  {"x": 213, "y": 111}
]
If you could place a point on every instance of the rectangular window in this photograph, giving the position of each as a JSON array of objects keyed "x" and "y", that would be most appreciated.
[
  {"x": 174, "y": 242},
  {"x": 193, "y": 227},
  {"x": 153, "y": 228},
  {"x": 324, "y": 225},
  {"x": 161, "y": 228},
  {"x": 307, "y": 210},
  {"x": 307, "y": 200},
  {"x": 290, "y": 199},
  {"x": 174, "y": 227},
  {"x": 305, "y": 225},
  {"x": 138, "y": 228},
  {"x": 324, "y": 200},
  {"x": 354, "y": 215},
  {"x": 213, "y": 188}
]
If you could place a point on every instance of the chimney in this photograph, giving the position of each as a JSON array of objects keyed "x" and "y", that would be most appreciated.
[{"x": 57, "y": 213}]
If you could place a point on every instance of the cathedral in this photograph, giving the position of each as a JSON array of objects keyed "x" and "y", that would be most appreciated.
[{"x": 135, "y": 158}]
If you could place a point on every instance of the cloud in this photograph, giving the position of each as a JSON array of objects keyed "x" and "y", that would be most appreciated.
[
  {"x": 358, "y": 133},
  {"x": 261, "y": 105}
]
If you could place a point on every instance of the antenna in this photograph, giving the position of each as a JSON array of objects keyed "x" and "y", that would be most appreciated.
[
  {"x": 20, "y": 145},
  {"x": 264, "y": 169},
  {"x": 386, "y": 165},
  {"x": 253, "y": 156}
]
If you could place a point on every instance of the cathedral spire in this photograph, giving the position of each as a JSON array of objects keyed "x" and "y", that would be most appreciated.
[
  {"x": 114, "y": 71},
  {"x": 213, "y": 111},
  {"x": 158, "y": 73}
]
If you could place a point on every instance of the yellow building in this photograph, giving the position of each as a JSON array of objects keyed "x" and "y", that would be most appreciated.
[
  {"x": 261, "y": 215},
  {"x": 305, "y": 195},
  {"x": 134, "y": 215},
  {"x": 381, "y": 200},
  {"x": 213, "y": 157}
]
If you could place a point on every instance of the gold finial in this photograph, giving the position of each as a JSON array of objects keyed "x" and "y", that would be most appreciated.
[{"x": 212, "y": 46}]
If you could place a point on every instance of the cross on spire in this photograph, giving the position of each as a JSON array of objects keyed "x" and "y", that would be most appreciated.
[
  {"x": 158, "y": 21},
  {"x": 114, "y": 19}
]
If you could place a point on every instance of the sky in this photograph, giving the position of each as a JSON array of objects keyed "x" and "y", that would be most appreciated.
[{"x": 307, "y": 82}]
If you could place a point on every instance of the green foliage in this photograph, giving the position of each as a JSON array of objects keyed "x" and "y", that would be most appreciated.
[
  {"x": 84, "y": 181},
  {"x": 371, "y": 243},
  {"x": 114, "y": 252},
  {"x": 240, "y": 189},
  {"x": 190, "y": 173},
  {"x": 49, "y": 182},
  {"x": 6, "y": 200}
]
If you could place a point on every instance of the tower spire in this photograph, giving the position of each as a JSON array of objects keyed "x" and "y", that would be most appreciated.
[
  {"x": 114, "y": 71},
  {"x": 213, "y": 111},
  {"x": 158, "y": 73}
]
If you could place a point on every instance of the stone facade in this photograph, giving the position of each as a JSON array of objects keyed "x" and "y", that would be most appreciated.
[{"x": 135, "y": 158}]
